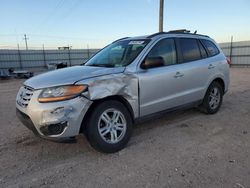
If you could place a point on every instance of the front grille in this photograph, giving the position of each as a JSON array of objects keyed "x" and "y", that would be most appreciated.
[{"x": 24, "y": 95}]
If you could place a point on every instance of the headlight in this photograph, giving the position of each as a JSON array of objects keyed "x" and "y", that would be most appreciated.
[{"x": 61, "y": 93}]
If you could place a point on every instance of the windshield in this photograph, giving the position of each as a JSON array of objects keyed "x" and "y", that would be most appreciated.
[{"x": 118, "y": 54}]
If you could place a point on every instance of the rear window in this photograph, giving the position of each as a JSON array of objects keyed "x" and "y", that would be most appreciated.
[
  {"x": 210, "y": 46},
  {"x": 190, "y": 49}
]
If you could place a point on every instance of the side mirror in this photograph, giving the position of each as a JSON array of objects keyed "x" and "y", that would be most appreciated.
[{"x": 152, "y": 62}]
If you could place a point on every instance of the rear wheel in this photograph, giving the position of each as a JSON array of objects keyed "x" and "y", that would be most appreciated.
[
  {"x": 109, "y": 127},
  {"x": 213, "y": 99}
]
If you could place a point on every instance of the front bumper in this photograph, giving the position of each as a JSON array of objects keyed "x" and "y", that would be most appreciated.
[
  {"x": 55, "y": 120},
  {"x": 26, "y": 121}
]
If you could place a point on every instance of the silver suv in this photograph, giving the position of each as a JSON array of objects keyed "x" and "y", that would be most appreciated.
[{"x": 127, "y": 81}]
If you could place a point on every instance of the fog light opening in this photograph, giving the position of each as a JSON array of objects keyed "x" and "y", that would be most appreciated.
[{"x": 53, "y": 129}]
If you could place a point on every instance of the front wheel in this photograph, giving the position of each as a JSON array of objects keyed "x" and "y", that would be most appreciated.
[
  {"x": 109, "y": 127},
  {"x": 213, "y": 99}
]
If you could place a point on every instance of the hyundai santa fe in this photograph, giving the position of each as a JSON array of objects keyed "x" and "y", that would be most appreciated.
[{"x": 127, "y": 81}]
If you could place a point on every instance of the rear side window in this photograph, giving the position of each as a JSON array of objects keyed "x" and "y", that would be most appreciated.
[
  {"x": 210, "y": 46},
  {"x": 190, "y": 49}
]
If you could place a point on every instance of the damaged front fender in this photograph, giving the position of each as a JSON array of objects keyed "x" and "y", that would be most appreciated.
[{"x": 125, "y": 85}]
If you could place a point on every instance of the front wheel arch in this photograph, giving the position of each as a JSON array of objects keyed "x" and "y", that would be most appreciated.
[{"x": 98, "y": 101}]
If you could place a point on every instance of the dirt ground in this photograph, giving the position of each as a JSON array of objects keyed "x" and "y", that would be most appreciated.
[{"x": 181, "y": 149}]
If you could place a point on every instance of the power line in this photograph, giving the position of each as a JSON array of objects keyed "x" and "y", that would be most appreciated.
[
  {"x": 49, "y": 36},
  {"x": 75, "y": 5},
  {"x": 7, "y": 35},
  {"x": 63, "y": 37},
  {"x": 49, "y": 16}
]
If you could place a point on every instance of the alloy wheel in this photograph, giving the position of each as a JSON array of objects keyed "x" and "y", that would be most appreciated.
[
  {"x": 214, "y": 98},
  {"x": 112, "y": 126}
]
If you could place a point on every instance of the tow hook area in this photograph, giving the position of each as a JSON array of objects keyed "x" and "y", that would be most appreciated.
[{"x": 55, "y": 121}]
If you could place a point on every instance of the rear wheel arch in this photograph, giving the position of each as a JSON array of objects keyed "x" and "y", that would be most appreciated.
[
  {"x": 213, "y": 98},
  {"x": 221, "y": 82},
  {"x": 218, "y": 80}
]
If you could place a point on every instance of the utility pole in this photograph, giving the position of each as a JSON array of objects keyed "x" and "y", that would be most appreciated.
[
  {"x": 25, "y": 38},
  {"x": 161, "y": 16}
]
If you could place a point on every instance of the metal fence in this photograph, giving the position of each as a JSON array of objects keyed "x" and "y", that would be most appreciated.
[
  {"x": 20, "y": 59},
  {"x": 238, "y": 52}
]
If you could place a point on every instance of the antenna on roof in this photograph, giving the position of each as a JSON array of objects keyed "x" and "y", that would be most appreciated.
[{"x": 195, "y": 32}]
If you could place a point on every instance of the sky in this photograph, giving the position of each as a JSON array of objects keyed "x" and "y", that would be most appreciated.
[{"x": 96, "y": 23}]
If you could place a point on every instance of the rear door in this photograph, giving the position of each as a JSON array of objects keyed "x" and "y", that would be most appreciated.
[{"x": 194, "y": 67}]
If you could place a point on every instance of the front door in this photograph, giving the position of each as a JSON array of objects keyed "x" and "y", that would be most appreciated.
[{"x": 160, "y": 87}]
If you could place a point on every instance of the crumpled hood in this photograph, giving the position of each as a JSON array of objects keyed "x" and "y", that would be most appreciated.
[{"x": 67, "y": 76}]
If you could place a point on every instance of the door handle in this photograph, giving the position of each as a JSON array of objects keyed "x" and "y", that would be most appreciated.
[
  {"x": 178, "y": 74},
  {"x": 211, "y": 66}
]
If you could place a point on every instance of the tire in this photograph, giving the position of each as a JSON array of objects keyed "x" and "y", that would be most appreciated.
[
  {"x": 109, "y": 127},
  {"x": 213, "y": 99}
]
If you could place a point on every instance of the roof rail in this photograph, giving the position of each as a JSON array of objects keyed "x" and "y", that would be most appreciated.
[
  {"x": 178, "y": 31},
  {"x": 155, "y": 34}
]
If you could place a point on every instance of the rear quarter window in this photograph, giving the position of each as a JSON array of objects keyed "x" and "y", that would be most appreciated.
[
  {"x": 202, "y": 50},
  {"x": 211, "y": 48}
]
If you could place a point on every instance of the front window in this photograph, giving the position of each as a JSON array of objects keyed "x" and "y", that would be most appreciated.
[
  {"x": 118, "y": 54},
  {"x": 165, "y": 51}
]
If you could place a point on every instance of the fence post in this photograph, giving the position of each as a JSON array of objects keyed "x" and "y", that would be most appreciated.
[
  {"x": 88, "y": 51},
  {"x": 69, "y": 56},
  {"x": 19, "y": 57},
  {"x": 44, "y": 57},
  {"x": 231, "y": 49}
]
